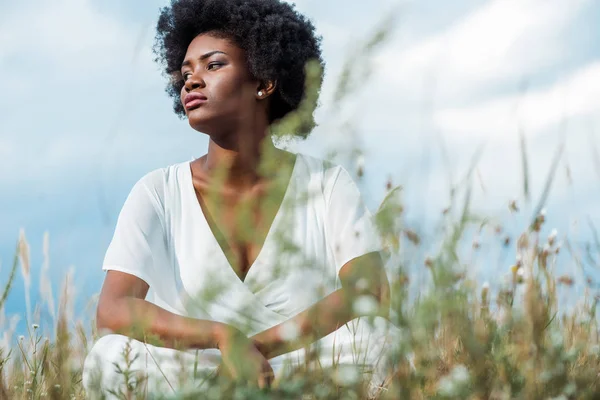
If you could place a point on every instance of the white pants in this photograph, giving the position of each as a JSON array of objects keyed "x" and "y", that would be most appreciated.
[{"x": 168, "y": 371}]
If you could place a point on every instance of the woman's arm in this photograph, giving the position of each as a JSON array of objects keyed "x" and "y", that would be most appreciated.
[
  {"x": 122, "y": 309},
  {"x": 362, "y": 276}
]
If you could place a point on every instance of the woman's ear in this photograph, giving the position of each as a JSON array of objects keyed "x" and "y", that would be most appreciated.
[{"x": 265, "y": 89}]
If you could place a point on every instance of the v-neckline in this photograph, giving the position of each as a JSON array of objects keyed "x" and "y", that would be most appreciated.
[{"x": 204, "y": 220}]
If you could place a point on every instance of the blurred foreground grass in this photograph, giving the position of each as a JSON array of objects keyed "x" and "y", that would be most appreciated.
[
  {"x": 458, "y": 340},
  {"x": 461, "y": 339}
]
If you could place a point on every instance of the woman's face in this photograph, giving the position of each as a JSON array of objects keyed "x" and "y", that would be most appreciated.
[{"x": 219, "y": 93}]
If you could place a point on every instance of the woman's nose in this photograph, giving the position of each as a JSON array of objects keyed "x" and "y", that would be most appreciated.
[{"x": 193, "y": 82}]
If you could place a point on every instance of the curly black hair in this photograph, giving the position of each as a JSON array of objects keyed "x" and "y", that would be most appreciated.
[{"x": 278, "y": 42}]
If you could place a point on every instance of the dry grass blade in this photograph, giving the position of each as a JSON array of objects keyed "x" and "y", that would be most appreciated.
[
  {"x": 524, "y": 163},
  {"x": 11, "y": 277},
  {"x": 548, "y": 185}
]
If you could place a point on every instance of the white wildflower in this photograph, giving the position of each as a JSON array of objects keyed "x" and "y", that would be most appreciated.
[
  {"x": 476, "y": 242},
  {"x": 21, "y": 338},
  {"x": 552, "y": 236},
  {"x": 360, "y": 161},
  {"x": 558, "y": 247},
  {"x": 289, "y": 330},
  {"x": 486, "y": 285},
  {"x": 556, "y": 338},
  {"x": 546, "y": 248},
  {"x": 570, "y": 389},
  {"x": 560, "y": 397},
  {"x": 347, "y": 374},
  {"x": 543, "y": 212},
  {"x": 519, "y": 259},
  {"x": 365, "y": 305},
  {"x": 451, "y": 384},
  {"x": 460, "y": 374},
  {"x": 447, "y": 387},
  {"x": 35, "y": 326},
  {"x": 362, "y": 284}
]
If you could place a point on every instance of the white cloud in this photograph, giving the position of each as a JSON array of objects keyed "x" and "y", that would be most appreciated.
[
  {"x": 574, "y": 96},
  {"x": 70, "y": 35},
  {"x": 503, "y": 39}
]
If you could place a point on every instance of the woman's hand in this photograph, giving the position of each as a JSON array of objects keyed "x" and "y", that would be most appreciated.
[{"x": 241, "y": 360}]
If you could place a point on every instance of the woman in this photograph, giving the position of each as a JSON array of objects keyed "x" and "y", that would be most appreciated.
[{"x": 188, "y": 282}]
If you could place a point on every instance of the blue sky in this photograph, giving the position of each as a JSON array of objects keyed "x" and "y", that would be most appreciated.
[{"x": 83, "y": 114}]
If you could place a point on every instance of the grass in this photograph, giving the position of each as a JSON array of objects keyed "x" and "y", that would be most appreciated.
[{"x": 460, "y": 338}]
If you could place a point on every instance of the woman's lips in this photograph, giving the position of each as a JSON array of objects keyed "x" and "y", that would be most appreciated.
[
  {"x": 194, "y": 103},
  {"x": 193, "y": 100}
]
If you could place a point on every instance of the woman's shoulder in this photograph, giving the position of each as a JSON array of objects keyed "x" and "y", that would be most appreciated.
[
  {"x": 329, "y": 171},
  {"x": 320, "y": 165},
  {"x": 158, "y": 183}
]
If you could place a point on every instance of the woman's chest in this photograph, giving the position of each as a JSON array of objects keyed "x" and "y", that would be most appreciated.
[{"x": 288, "y": 264}]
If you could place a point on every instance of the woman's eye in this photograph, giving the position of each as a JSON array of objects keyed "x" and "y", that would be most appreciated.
[
  {"x": 186, "y": 76},
  {"x": 211, "y": 65}
]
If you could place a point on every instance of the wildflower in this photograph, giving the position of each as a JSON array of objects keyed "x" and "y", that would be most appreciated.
[
  {"x": 570, "y": 389},
  {"x": 552, "y": 237},
  {"x": 412, "y": 236},
  {"x": 451, "y": 384},
  {"x": 519, "y": 259},
  {"x": 520, "y": 276},
  {"x": 514, "y": 269},
  {"x": 460, "y": 374},
  {"x": 362, "y": 284},
  {"x": 289, "y": 331},
  {"x": 360, "y": 165},
  {"x": 347, "y": 374},
  {"x": 565, "y": 280},
  {"x": 21, "y": 338},
  {"x": 523, "y": 241},
  {"x": 556, "y": 338},
  {"x": 35, "y": 326},
  {"x": 546, "y": 248},
  {"x": 485, "y": 288},
  {"x": 476, "y": 243},
  {"x": 365, "y": 305},
  {"x": 558, "y": 247}
]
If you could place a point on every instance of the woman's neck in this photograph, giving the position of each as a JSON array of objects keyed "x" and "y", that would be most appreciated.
[{"x": 241, "y": 165}]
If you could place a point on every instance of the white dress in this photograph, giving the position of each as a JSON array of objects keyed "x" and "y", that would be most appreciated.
[{"x": 163, "y": 237}]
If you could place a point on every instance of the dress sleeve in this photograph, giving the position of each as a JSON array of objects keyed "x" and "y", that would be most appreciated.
[
  {"x": 350, "y": 226},
  {"x": 138, "y": 237}
]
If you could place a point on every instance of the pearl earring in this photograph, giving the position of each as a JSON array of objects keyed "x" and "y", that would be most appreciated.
[{"x": 260, "y": 93}]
